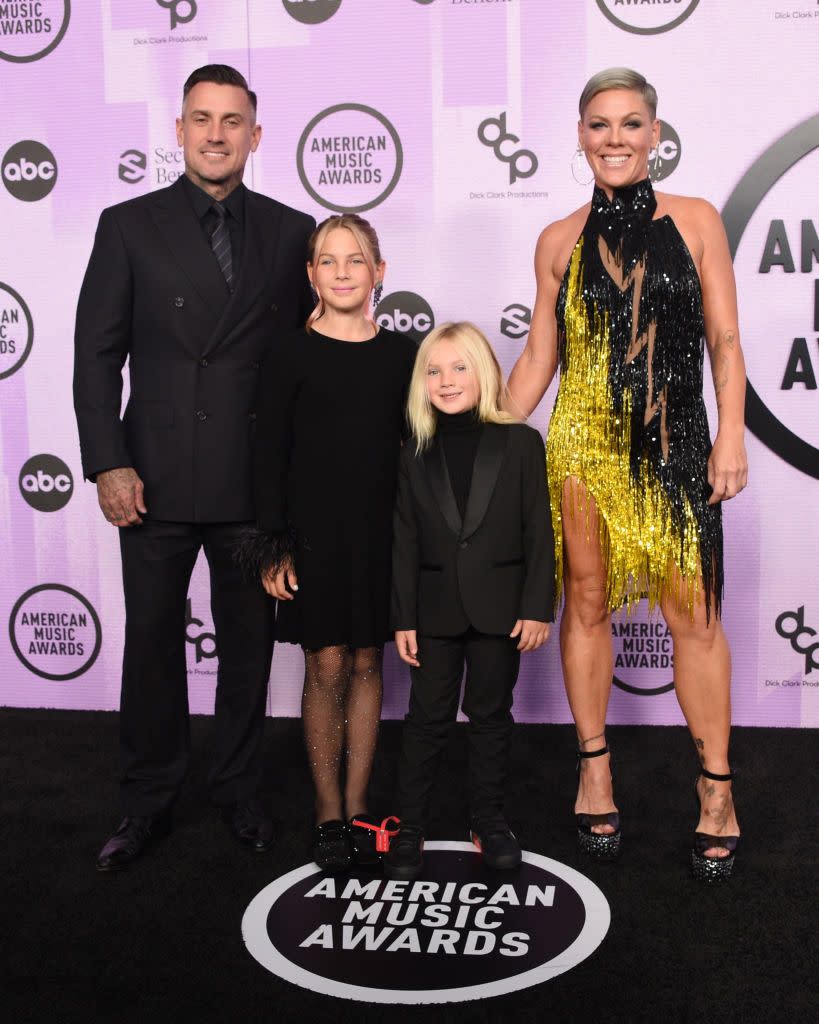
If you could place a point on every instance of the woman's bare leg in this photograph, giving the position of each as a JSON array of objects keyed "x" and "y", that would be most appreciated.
[
  {"x": 702, "y": 679},
  {"x": 585, "y": 646}
]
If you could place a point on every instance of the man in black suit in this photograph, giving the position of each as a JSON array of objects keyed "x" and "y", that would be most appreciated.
[{"x": 191, "y": 284}]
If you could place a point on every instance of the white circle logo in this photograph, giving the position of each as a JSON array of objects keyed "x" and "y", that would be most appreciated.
[
  {"x": 463, "y": 932},
  {"x": 349, "y": 158}
]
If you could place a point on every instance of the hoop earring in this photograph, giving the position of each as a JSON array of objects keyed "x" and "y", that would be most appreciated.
[
  {"x": 576, "y": 166},
  {"x": 655, "y": 166},
  {"x": 377, "y": 290}
]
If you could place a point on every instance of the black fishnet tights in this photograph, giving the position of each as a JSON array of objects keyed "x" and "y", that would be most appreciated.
[{"x": 341, "y": 708}]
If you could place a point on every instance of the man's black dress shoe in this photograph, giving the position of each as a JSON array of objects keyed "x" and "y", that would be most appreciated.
[
  {"x": 250, "y": 825},
  {"x": 131, "y": 840}
]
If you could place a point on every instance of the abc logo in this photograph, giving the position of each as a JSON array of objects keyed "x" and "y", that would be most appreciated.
[
  {"x": 46, "y": 483},
  {"x": 406, "y": 312},
  {"x": 311, "y": 12},
  {"x": 29, "y": 171},
  {"x": 663, "y": 160}
]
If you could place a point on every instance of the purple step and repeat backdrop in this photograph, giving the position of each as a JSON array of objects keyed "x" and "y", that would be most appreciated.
[{"x": 451, "y": 124}]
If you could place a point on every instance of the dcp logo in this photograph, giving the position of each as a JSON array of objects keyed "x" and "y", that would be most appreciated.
[
  {"x": 30, "y": 31},
  {"x": 647, "y": 17},
  {"x": 46, "y": 483},
  {"x": 791, "y": 626},
  {"x": 515, "y": 321},
  {"x": 311, "y": 12},
  {"x": 181, "y": 11},
  {"x": 55, "y": 631},
  {"x": 406, "y": 312},
  {"x": 522, "y": 162},
  {"x": 29, "y": 170},
  {"x": 132, "y": 164},
  {"x": 16, "y": 331},
  {"x": 204, "y": 643},
  {"x": 664, "y": 160},
  {"x": 349, "y": 158}
]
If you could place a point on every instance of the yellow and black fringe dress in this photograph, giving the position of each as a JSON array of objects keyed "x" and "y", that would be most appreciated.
[{"x": 629, "y": 421}]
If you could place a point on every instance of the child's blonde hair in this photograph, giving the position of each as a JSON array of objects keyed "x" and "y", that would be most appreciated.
[{"x": 483, "y": 363}]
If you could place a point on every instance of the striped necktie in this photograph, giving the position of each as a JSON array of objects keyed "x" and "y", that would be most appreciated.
[{"x": 220, "y": 243}]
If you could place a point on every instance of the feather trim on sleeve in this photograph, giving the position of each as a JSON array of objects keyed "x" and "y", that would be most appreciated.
[{"x": 259, "y": 552}]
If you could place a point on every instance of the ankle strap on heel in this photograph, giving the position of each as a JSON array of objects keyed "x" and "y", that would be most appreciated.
[
  {"x": 717, "y": 778},
  {"x": 595, "y": 753}
]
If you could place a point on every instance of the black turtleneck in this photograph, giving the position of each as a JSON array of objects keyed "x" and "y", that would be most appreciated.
[{"x": 459, "y": 434}]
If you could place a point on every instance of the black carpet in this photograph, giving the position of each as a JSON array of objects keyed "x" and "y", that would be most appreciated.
[{"x": 162, "y": 942}]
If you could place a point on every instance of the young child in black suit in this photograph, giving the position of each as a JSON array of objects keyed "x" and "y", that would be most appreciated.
[{"x": 473, "y": 581}]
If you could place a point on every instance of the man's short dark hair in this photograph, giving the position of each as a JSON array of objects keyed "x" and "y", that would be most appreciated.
[{"x": 219, "y": 74}]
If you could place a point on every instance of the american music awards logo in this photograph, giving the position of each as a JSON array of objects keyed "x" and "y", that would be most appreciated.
[
  {"x": 16, "y": 331},
  {"x": 773, "y": 233},
  {"x": 643, "y": 652},
  {"x": 349, "y": 158},
  {"x": 463, "y": 932},
  {"x": 55, "y": 631},
  {"x": 31, "y": 31},
  {"x": 647, "y": 18}
]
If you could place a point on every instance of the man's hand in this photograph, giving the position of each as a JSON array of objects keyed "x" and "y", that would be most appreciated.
[
  {"x": 406, "y": 640},
  {"x": 532, "y": 634},
  {"x": 120, "y": 493},
  {"x": 277, "y": 583}
]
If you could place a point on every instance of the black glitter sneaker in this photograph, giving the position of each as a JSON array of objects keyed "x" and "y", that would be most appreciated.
[{"x": 331, "y": 847}]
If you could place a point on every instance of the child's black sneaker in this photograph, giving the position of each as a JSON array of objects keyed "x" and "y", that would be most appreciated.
[
  {"x": 497, "y": 843},
  {"x": 362, "y": 840},
  {"x": 405, "y": 858},
  {"x": 331, "y": 846}
]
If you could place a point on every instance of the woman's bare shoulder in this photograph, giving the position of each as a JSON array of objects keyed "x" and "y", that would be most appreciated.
[
  {"x": 692, "y": 209},
  {"x": 554, "y": 247}
]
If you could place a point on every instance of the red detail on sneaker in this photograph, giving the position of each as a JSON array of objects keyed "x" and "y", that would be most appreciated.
[
  {"x": 383, "y": 833},
  {"x": 477, "y": 842}
]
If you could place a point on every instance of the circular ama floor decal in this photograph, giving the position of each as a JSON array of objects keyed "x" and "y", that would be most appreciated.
[{"x": 461, "y": 931}]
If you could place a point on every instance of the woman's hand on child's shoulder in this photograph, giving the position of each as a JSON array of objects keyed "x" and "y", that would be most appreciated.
[
  {"x": 406, "y": 640},
  {"x": 532, "y": 634}
]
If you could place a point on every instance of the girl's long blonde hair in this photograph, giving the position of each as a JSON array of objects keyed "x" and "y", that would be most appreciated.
[
  {"x": 366, "y": 239},
  {"x": 482, "y": 362}
]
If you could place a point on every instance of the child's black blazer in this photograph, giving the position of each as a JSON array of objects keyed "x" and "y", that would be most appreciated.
[{"x": 492, "y": 568}]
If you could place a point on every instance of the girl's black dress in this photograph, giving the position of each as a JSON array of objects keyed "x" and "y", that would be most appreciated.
[{"x": 330, "y": 420}]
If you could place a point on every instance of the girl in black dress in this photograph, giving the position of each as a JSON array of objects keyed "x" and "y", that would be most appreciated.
[{"x": 329, "y": 427}]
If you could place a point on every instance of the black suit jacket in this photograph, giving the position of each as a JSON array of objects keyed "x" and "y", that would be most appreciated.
[
  {"x": 491, "y": 568},
  {"x": 153, "y": 293}
]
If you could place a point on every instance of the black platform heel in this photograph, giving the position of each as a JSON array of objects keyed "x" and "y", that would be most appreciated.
[
  {"x": 712, "y": 869},
  {"x": 600, "y": 845}
]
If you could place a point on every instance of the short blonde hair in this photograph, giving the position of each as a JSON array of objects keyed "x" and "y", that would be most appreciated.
[
  {"x": 365, "y": 237},
  {"x": 478, "y": 355},
  {"x": 618, "y": 78}
]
